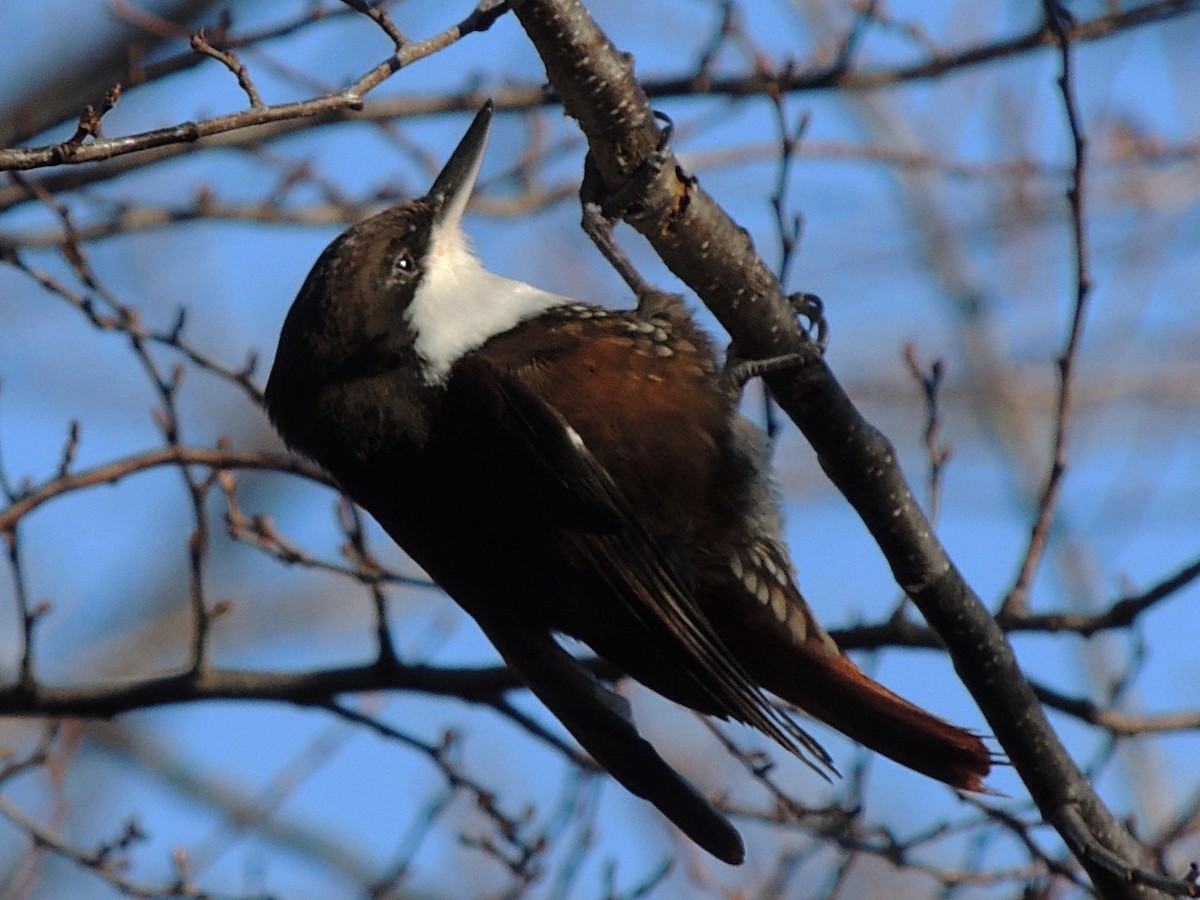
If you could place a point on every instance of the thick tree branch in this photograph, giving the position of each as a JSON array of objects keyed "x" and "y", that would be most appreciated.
[{"x": 706, "y": 249}]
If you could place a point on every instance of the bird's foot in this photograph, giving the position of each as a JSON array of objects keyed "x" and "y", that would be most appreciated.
[{"x": 738, "y": 370}]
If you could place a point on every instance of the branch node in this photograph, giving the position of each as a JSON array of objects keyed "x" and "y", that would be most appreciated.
[{"x": 230, "y": 61}]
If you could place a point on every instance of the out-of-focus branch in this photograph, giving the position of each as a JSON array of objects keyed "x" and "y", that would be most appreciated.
[
  {"x": 1057, "y": 18},
  {"x": 1115, "y": 721},
  {"x": 1121, "y": 613},
  {"x": 104, "y": 862},
  {"x": 255, "y": 126},
  {"x": 310, "y": 688},
  {"x": 841, "y": 74},
  {"x": 187, "y": 133},
  {"x": 217, "y": 459},
  {"x": 71, "y": 87}
]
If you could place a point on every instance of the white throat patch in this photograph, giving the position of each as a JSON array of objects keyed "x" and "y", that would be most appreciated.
[{"x": 459, "y": 304}]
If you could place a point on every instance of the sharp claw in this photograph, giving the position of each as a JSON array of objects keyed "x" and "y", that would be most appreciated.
[
  {"x": 811, "y": 307},
  {"x": 738, "y": 371},
  {"x": 666, "y": 132}
]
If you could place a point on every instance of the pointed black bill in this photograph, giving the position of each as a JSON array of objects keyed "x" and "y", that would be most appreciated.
[{"x": 452, "y": 187}]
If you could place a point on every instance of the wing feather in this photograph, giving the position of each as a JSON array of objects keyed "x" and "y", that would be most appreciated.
[{"x": 507, "y": 413}]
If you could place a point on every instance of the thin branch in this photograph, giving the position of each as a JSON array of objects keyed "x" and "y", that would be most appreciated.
[
  {"x": 309, "y": 688},
  {"x": 1121, "y": 614},
  {"x": 381, "y": 18},
  {"x": 515, "y": 851},
  {"x": 125, "y": 320},
  {"x": 89, "y": 121},
  {"x": 1058, "y": 20},
  {"x": 259, "y": 531},
  {"x": 172, "y": 455},
  {"x": 104, "y": 863},
  {"x": 285, "y": 118},
  {"x": 1118, "y": 722},
  {"x": 349, "y": 99},
  {"x": 937, "y": 453},
  {"x": 351, "y": 520},
  {"x": 839, "y": 75},
  {"x": 1084, "y": 845},
  {"x": 229, "y": 60}
]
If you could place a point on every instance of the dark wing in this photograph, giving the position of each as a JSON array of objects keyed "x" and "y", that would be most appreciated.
[
  {"x": 600, "y": 720},
  {"x": 508, "y": 416}
]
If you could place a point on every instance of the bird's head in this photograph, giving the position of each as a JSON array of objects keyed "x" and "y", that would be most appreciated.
[{"x": 373, "y": 299}]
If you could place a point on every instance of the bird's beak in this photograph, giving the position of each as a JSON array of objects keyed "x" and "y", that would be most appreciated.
[{"x": 452, "y": 188}]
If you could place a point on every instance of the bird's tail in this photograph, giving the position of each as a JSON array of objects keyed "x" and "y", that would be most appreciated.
[{"x": 838, "y": 693}]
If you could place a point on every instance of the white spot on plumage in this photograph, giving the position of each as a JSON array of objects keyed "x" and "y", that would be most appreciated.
[
  {"x": 829, "y": 643},
  {"x": 779, "y": 606},
  {"x": 751, "y": 583},
  {"x": 799, "y": 627},
  {"x": 768, "y": 561}
]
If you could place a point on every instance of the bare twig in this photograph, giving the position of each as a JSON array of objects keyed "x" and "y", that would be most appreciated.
[
  {"x": 298, "y": 115},
  {"x": 380, "y": 17},
  {"x": 1084, "y": 845},
  {"x": 349, "y": 99},
  {"x": 107, "y": 861},
  {"x": 125, "y": 320},
  {"x": 229, "y": 60},
  {"x": 937, "y": 453},
  {"x": 1117, "y": 722},
  {"x": 513, "y": 849},
  {"x": 1017, "y": 600}
]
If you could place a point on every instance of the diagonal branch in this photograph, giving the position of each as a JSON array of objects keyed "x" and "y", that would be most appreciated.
[
  {"x": 345, "y": 101},
  {"x": 706, "y": 249}
]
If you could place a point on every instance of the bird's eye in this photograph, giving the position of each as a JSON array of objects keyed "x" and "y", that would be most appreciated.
[{"x": 404, "y": 267}]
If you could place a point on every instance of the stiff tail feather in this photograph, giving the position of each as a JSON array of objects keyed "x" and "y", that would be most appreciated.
[{"x": 839, "y": 694}]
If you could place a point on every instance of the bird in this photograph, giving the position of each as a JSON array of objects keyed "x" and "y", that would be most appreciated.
[{"x": 565, "y": 468}]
